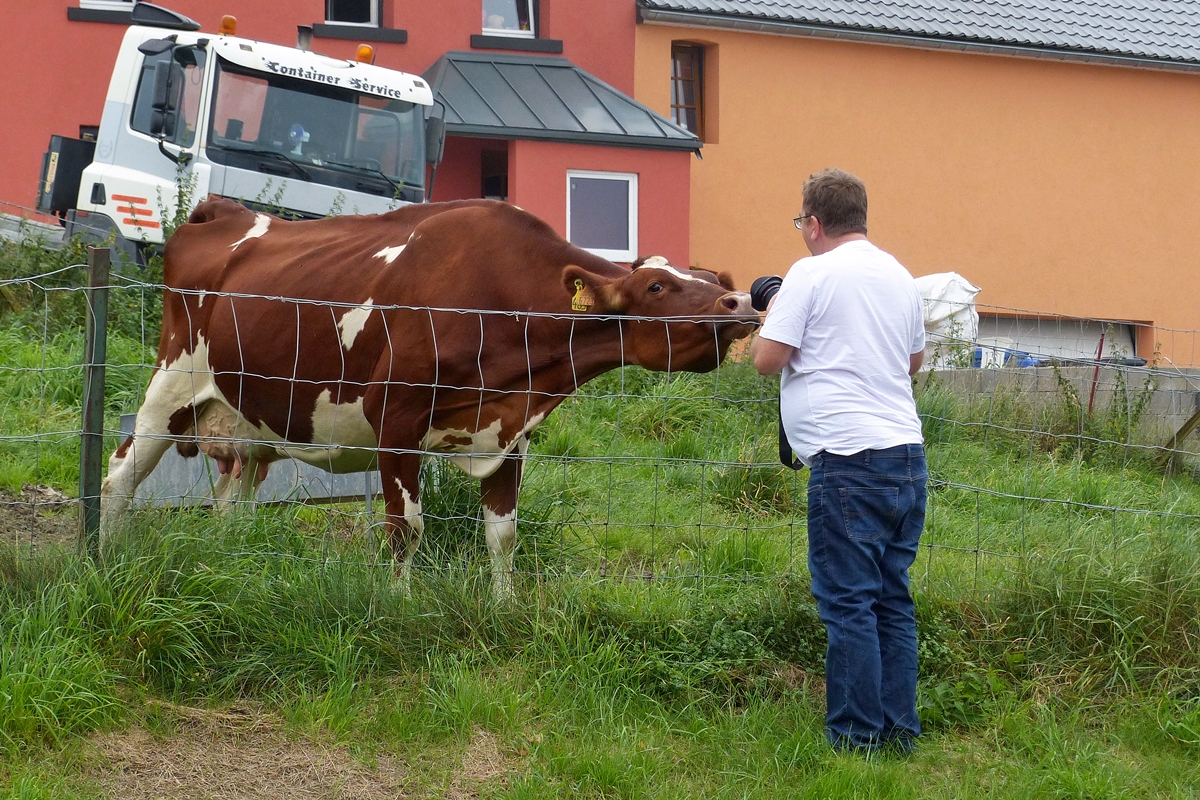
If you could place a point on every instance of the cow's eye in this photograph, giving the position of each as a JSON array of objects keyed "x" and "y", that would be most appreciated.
[{"x": 655, "y": 288}]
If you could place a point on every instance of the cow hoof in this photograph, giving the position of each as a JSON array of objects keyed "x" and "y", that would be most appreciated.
[
  {"x": 402, "y": 582},
  {"x": 502, "y": 587}
]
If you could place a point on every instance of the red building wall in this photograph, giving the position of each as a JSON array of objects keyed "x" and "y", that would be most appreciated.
[
  {"x": 458, "y": 175},
  {"x": 55, "y": 77},
  {"x": 537, "y": 182},
  {"x": 56, "y": 71}
]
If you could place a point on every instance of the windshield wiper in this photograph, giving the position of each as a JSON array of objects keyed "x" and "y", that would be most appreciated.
[
  {"x": 396, "y": 185},
  {"x": 260, "y": 151}
]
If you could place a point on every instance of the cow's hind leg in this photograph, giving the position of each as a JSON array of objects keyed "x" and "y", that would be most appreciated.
[
  {"x": 401, "y": 475},
  {"x": 498, "y": 494},
  {"x": 238, "y": 481}
]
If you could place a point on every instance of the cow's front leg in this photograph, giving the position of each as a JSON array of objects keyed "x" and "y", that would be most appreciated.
[
  {"x": 169, "y": 404},
  {"x": 498, "y": 494},
  {"x": 127, "y": 468},
  {"x": 401, "y": 475}
]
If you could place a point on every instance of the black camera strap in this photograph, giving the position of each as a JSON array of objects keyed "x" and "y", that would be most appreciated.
[{"x": 786, "y": 456}]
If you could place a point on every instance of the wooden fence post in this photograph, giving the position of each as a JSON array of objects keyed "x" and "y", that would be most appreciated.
[{"x": 95, "y": 353}]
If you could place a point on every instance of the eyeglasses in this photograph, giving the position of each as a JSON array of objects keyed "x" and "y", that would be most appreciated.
[{"x": 800, "y": 220}]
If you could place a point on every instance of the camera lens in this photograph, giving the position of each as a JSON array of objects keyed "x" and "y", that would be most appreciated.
[{"x": 763, "y": 289}]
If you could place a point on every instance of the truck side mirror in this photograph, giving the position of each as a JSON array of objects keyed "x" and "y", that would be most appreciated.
[
  {"x": 435, "y": 140},
  {"x": 163, "y": 99},
  {"x": 162, "y": 86},
  {"x": 153, "y": 47}
]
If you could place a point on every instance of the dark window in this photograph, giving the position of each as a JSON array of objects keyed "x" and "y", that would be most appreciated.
[
  {"x": 494, "y": 174},
  {"x": 602, "y": 213},
  {"x": 354, "y": 12},
  {"x": 687, "y": 87},
  {"x": 509, "y": 18}
]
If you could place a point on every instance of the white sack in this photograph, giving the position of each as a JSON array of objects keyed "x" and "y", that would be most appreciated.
[{"x": 951, "y": 321}]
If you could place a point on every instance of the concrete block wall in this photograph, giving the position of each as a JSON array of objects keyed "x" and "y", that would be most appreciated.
[{"x": 1174, "y": 398}]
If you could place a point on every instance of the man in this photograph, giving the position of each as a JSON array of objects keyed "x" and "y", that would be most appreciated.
[{"x": 846, "y": 330}]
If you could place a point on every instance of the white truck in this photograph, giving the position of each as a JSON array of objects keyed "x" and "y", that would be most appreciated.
[{"x": 276, "y": 128}]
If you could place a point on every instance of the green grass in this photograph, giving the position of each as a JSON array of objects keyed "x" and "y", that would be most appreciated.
[
  {"x": 663, "y": 643},
  {"x": 41, "y": 357},
  {"x": 612, "y": 688}
]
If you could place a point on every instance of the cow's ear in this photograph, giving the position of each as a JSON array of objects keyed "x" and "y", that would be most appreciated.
[
  {"x": 726, "y": 281},
  {"x": 591, "y": 292}
]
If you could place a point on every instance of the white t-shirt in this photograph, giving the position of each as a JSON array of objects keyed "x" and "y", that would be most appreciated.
[{"x": 854, "y": 316}]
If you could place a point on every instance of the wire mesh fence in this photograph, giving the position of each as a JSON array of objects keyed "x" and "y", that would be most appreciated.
[{"x": 1036, "y": 450}]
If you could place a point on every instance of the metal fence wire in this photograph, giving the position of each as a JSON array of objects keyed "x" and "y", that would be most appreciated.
[{"x": 1034, "y": 451}]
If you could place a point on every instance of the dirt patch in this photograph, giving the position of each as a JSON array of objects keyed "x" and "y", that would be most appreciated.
[
  {"x": 482, "y": 766},
  {"x": 237, "y": 753},
  {"x": 39, "y": 517}
]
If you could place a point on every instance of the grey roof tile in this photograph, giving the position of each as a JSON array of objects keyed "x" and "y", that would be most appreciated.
[{"x": 1162, "y": 30}]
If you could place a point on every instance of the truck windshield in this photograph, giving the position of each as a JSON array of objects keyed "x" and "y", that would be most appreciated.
[{"x": 324, "y": 134}]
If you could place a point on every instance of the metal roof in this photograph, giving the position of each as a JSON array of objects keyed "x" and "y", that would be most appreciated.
[
  {"x": 544, "y": 97},
  {"x": 1141, "y": 32}
]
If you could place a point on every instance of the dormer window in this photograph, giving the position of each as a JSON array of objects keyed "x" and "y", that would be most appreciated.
[
  {"x": 352, "y": 12},
  {"x": 509, "y": 18}
]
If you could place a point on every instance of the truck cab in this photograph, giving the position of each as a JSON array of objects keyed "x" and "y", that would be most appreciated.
[{"x": 190, "y": 115}]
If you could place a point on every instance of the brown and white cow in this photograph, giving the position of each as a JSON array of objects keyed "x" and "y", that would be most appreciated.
[{"x": 356, "y": 342}]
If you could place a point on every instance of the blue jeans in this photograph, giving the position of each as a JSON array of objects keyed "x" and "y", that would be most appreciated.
[{"x": 865, "y": 514}]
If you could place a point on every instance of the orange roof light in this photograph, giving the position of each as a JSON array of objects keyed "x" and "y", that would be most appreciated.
[
  {"x": 365, "y": 54},
  {"x": 228, "y": 25}
]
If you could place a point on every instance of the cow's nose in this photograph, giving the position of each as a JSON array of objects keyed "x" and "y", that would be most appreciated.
[{"x": 736, "y": 303}]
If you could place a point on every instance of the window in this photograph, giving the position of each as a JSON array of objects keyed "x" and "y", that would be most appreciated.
[
  {"x": 183, "y": 102},
  {"x": 494, "y": 174},
  {"x": 352, "y": 12},
  {"x": 116, "y": 12},
  {"x": 509, "y": 18},
  {"x": 602, "y": 213},
  {"x": 687, "y": 86},
  {"x": 326, "y": 134}
]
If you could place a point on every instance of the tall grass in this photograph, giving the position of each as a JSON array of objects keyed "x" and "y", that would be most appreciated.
[
  {"x": 207, "y": 608},
  {"x": 42, "y": 315}
]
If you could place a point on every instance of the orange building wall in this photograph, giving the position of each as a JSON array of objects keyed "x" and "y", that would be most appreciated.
[
  {"x": 1057, "y": 187},
  {"x": 56, "y": 72}
]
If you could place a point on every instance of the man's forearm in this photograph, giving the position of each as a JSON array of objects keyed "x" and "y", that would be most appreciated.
[{"x": 769, "y": 356}]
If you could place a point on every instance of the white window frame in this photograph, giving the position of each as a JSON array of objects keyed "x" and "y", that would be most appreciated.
[
  {"x": 529, "y": 34},
  {"x": 631, "y": 179},
  {"x": 374, "y": 22}
]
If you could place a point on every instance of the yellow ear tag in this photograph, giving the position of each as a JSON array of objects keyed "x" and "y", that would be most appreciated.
[{"x": 583, "y": 299}]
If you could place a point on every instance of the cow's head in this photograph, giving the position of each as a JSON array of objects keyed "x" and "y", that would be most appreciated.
[{"x": 678, "y": 319}]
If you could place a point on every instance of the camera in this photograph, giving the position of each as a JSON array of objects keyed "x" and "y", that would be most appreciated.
[{"x": 763, "y": 289}]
